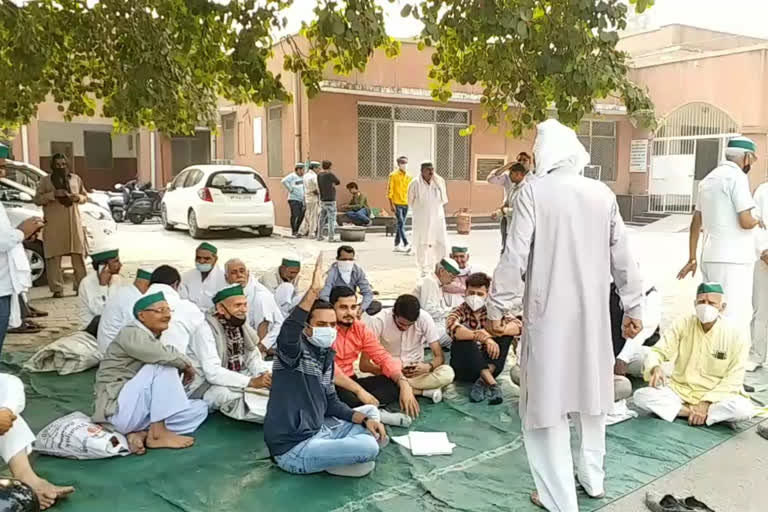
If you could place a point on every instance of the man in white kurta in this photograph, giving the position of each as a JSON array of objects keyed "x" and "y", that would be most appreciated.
[
  {"x": 16, "y": 440},
  {"x": 759, "y": 350},
  {"x": 308, "y": 226},
  {"x": 200, "y": 284},
  {"x": 566, "y": 358},
  {"x": 723, "y": 210},
  {"x": 97, "y": 286},
  {"x": 264, "y": 315},
  {"x": 283, "y": 283},
  {"x": 118, "y": 311},
  {"x": 426, "y": 197},
  {"x": 226, "y": 356},
  {"x": 435, "y": 300}
]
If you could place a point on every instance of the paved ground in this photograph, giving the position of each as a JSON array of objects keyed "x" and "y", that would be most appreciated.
[{"x": 733, "y": 477}]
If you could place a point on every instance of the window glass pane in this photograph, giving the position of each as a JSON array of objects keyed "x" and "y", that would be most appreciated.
[
  {"x": 584, "y": 128},
  {"x": 452, "y": 116},
  {"x": 384, "y": 149},
  {"x": 98, "y": 150},
  {"x": 460, "y": 162},
  {"x": 604, "y": 154},
  {"x": 603, "y": 129},
  {"x": 422, "y": 115},
  {"x": 374, "y": 111},
  {"x": 235, "y": 181},
  {"x": 365, "y": 141}
]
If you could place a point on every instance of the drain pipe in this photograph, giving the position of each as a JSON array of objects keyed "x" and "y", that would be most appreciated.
[{"x": 298, "y": 152}]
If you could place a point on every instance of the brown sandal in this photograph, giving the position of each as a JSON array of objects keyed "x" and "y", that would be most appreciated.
[{"x": 535, "y": 499}]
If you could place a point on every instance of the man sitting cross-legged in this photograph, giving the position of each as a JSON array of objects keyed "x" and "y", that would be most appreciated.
[
  {"x": 97, "y": 286},
  {"x": 283, "y": 283},
  {"x": 138, "y": 389},
  {"x": 345, "y": 272},
  {"x": 435, "y": 300},
  {"x": 404, "y": 331},
  {"x": 118, "y": 311},
  {"x": 16, "y": 442},
  {"x": 477, "y": 356},
  {"x": 307, "y": 428},
  {"x": 225, "y": 353},
  {"x": 355, "y": 338},
  {"x": 458, "y": 286},
  {"x": 202, "y": 282},
  {"x": 709, "y": 356}
]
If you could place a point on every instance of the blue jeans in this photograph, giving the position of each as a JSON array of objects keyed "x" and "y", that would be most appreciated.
[
  {"x": 359, "y": 217},
  {"x": 401, "y": 212},
  {"x": 5, "y": 315},
  {"x": 327, "y": 217},
  {"x": 339, "y": 443}
]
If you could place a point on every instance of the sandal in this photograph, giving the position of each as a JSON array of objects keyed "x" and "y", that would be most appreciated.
[
  {"x": 535, "y": 499},
  {"x": 36, "y": 313},
  {"x": 695, "y": 504}
]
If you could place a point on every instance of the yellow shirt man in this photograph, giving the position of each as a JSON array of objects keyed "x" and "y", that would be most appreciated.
[{"x": 397, "y": 191}]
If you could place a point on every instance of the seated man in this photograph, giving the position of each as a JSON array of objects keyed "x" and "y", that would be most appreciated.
[
  {"x": 357, "y": 210},
  {"x": 201, "y": 283},
  {"x": 264, "y": 316},
  {"x": 16, "y": 442},
  {"x": 404, "y": 330},
  {"x": 355, "y": 338},
  {"x": 457, "y": 288},
  {"x": 138, "y": 389},
  {"x": 96, "y": 287},
  {"x": 709, "y": 356},
  {"x": 477, "y": 356},
  {"x": 283, "y": 282},
  {"x": 118, "y": 311},
  {"x": 187, "y": 317},
  {"x": 225, "y": 355},
  {"x": 345, "y": 272},
  {"x": 433, "y": 298},
  {"x": 308, "y": 429}
]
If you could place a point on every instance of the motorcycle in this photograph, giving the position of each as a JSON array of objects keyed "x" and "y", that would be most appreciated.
[
  {"x": 116, "y": 203},
  {"x": 141, "y": 202}
]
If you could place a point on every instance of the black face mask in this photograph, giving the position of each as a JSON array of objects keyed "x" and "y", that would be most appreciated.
[
  {"x": 746, "y": 168},
  {"x": 233, "y": 320}
]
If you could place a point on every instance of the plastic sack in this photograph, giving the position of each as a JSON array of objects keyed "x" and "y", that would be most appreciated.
[
  {"x": 75, "y": 353},
  {"x": 75, "y": 436}
]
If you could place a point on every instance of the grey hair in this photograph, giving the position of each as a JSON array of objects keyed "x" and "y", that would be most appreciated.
[
  {"x": 233, "y": 261},
  {"x": 736, "y": 156}
]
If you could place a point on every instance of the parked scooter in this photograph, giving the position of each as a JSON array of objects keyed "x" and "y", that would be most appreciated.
[
  {"x": 141, "y": 202},
  {"x": 116, "y": 203}
]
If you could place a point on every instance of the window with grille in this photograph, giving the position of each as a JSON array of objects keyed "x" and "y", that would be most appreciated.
[
  {"x": 599, "y": 138},
  {"x": 98, "y": 150},
  {"x": 275, "y": 141},
  {"x": 376, "y": 139}
]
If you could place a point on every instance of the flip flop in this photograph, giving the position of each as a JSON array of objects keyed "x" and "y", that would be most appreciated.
[
  {"x": 36, "y": 313},
  {"x": 535, "y": 499},
  {"x": 695, "y": 504},
  {"x": 667, "y": 503},
  {"x": 762, "y": 430}
]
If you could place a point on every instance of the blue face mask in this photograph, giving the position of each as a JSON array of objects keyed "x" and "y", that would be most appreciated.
[
  {"x": 323, "y": 337},
  {"x": 204, "y": 267}
]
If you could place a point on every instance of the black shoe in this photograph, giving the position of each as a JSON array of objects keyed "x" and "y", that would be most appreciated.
[
  {"x": 762, "y": 430},
  {"x": 667, "y": 503},
  {"x": 695, "y": 504}
]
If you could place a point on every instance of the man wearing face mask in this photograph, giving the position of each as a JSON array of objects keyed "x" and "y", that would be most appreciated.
[
  {"x": 202, "y": 282},
  {"x": 345, "y": 272},
  {"x": 477, "y": 356},
  {"x": 724, "y": 210},
  {"x": 97, "y": 287},
  {"x": 709, "y": 354},
  {"x": 227, "y": 360},
  {"x": 397, "y": 193},
  {"x": 435, "y": 300},
  {"x": 307, "y": 428}
]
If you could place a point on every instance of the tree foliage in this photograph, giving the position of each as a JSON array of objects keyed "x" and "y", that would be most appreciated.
[{"x": 165, "y": 63}]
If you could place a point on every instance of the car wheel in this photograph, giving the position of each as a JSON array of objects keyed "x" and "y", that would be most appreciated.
[
  {"x": 136, "y": 218},
  {"x": 36, "y": 257},
  {"x": 164, "y": 218},
  {"x": 194, "y": 231},
  {"x": 265, "y": 230}
]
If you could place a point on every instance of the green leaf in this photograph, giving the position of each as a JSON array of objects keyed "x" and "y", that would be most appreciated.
[
  {"x": 406, "y": 11},
  {"x": 522, "y": 29}
]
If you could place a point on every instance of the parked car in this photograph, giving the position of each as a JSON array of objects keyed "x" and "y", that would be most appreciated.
[
  {"x": 214, "y": 197},
  {"x": 98, "y": 225}
]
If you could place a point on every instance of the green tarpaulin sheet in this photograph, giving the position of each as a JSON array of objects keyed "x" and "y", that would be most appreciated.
[{"x": 228, "y": 469}]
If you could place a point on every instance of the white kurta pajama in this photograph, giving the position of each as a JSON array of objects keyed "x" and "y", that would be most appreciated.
[
  {"x": 19, "y": 437},
  {"x": 262, "y": 307},
  {"x": 92, "y": 296},
  {"x": 728, "y": 255},
  {"x": 185, "y": 319},
  {"x": 118, "y": 312},
  {"x": 312, "y": 205},
  {"x": 437, "y": 303},
  {"x": 580, "y": 240},
  {"x": 429, "y": 238},
  {"x": 759, "y": 350},
  {"x": 199, "y": 291}
]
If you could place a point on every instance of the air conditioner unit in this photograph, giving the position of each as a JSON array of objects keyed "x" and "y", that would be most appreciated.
[{"x": 593, "y": 171}]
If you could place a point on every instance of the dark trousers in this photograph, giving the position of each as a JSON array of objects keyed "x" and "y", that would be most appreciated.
[
  {"x": 468, "y": 359},
  {"x": 23, "y": 307},
  {"x": 93, "y": 327},
  {"x": 297, "y": 214},
  {"x": 401, "y": 213},
  {"x": 385, "y": 391},
  {"x": 5, "y": 315},
  {"x": 503, "y": 227}
]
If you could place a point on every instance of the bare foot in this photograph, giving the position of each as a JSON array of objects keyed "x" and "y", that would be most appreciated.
[
  {"x": 535, "y": 499},
  {"x": 136, "y": 442},
  {"x": 170, "y": 440},
  {"x": 47, "y": 493}
]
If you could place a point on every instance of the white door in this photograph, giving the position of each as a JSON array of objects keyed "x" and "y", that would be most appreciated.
[
  {"x": 171, "y": 199},
  {"x": 417, "y": 142}
]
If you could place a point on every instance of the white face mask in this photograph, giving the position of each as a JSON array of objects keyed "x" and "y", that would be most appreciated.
[
  {"x": 323, "y": 337},
  {"x": 402, "y": 166},
  {"x": 345, "y": 266},
  {"x": 475, "y": 302},
  {"x": 707, "y": 313}
]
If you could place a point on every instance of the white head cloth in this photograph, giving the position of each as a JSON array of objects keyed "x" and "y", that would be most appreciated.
[{"x": 558, "y": 146}]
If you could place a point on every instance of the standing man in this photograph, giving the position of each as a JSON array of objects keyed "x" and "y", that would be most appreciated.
[
  {"x": 724, "y": 209},
  {"x": 759, "y": 348},
  {"x": 294, "y": 184},
  {"x": 509, "y": 176},
  {"x": 60, "y": 194},
  {"x": 326, "y": 184},
  {"x": 426, "y": 196},
  {"x": 13, "y": 272},
  {"x": 564, "y": 277},
  {"x": 311, "y": 202},
  {"x": 397, "y": 193}
]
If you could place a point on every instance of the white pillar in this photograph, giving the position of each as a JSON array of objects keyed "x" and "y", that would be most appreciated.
[
  {"x": 24, "y": 144},
  {"x": 152, "y": 163}
]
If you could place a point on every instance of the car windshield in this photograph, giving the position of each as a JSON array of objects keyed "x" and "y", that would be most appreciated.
[
  {"x": 23, "y": 176},
  {"x": 236, "y": 182}
]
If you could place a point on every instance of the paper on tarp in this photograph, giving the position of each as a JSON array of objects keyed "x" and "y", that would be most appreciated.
[
  {"x": 75, "y": 353},
  {"x": 619, "y": 413},
  {"x": 75, "y": 436},
  {"x": 426, "y": 443}
]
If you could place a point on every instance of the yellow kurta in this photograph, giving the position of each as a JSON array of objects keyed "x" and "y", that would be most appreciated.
[
  {"x": 698, "y": 375},
  {"x": 63, "y": 232}
]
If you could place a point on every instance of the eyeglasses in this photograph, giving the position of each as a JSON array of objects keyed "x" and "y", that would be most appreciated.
[{"x": 160, "y": 311}]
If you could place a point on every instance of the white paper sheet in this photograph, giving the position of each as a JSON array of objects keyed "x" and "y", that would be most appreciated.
[{"x": 426, "y": 443}]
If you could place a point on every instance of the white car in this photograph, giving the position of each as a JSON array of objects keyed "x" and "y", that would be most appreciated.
[
  {"x": 211, "y": 197},
  {"x": 17, "y": 200}
]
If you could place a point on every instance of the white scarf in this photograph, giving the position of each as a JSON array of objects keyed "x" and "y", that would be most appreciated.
[{"x": 556, "y": 147}]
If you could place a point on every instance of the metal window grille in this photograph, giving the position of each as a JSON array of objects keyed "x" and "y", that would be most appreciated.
[
  {"x": 599, "y": 139},
  {"x": 275, "y": 141}
]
